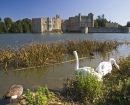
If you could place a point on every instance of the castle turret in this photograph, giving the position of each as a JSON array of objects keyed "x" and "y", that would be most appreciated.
[{"x": 57, "y": 16}]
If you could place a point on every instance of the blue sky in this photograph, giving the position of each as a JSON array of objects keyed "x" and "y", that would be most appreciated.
[{"x": 114, "y": 10}]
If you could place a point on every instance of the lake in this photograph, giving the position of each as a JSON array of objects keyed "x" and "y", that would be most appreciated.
[
  {"x": 52, "y": 76},
  {"x": 20, "y": 39}
]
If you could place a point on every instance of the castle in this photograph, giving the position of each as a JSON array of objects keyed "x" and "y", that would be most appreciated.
[
  {"x": 78, "y": 23},
  {"x": 56, "y": 24},
  {"x": 41, "y": 25}
]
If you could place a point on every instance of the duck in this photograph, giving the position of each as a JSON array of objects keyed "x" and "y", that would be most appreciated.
[
  {"x": 105, "y": 67},
  {"x": 14, "y": 92},
  {"x": 87, "y": 70}
]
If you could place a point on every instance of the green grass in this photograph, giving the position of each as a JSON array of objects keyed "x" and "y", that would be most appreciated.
[{"x": 83, "y": 89}]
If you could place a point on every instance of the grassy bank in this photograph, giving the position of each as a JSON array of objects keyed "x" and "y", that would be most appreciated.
[
  {"x": 37, "y": 54},
  {"x": 114, "y": 90}
]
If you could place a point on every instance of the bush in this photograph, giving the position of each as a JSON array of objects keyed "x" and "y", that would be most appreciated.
[
  {"x": 82, "y": 88},
  {"x": 39, "y": 98}
]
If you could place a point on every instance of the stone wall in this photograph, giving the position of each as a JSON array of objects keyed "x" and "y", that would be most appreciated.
[
  {"x": 36, "y": 25},
  {"x": 108, "y": 30},
  {"x": 78, "y": 23},
  {"x": 112, "y": 25},
  {"x": 40, "y": 25}
]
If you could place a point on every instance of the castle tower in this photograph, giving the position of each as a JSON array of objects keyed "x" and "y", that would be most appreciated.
[
  {"x": 90, "y": 15},
  {"x": 79, "y": 19},
  {"x": 57, "y": 16}
]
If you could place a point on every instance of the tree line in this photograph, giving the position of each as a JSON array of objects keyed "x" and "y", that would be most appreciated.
[
  {"x": 25, "y": 25},
  {"x": 101, "y": 21},
  {"x": 20, "y": 26}
]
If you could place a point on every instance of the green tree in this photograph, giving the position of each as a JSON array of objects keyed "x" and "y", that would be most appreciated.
[
  {"x": 101, "y": 20},
  {"x": 95, "y": 23},
  {"x": 26, "y": 28},
  {"x": 128, "y": 24},
  {"x": 8, "y": 22},
  {"x": 19, "y": 26},
  {"x": 120, "y": 25},
  {"x": 0, "y": 20},
  {"x": 2, "y": 27},
  {"x": 27, "y": 25}
]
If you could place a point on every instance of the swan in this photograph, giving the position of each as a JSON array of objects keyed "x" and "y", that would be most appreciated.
[
  {"x": 14, "y": 92},
  {"x": 106, "y": 67},
  {"x": 86, "y": 69}
]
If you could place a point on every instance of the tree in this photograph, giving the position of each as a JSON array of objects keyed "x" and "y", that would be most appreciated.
[
  {"x": 128, "y": 24},
  {"x": 103, "y": 16},
  {"x": 0, "y": 20},
  {"x": 8, "y": 22},
  {"x": 13, "y": 28},
  {"x": 120, "y": 25},
  {"x": 19, "y": 26},
  {"x": 27, "y": 25},
  {"x": 26, "y": 28},
  {"x": 2, "y": 27},
  {"x": 95, "y": 23},
  {"x": 101, "y": 20}
]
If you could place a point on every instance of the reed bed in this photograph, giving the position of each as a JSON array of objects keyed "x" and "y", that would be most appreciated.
[
  {"x": 90, "y": 46},
  {"x": 37, "y": 54}
]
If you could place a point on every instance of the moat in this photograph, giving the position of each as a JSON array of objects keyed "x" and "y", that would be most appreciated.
[{"x": 21, "y": 39}]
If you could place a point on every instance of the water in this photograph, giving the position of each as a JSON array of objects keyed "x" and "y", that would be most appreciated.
[
  {"x": 52, "y": 76},
  {"x": 20, "y": 39}
]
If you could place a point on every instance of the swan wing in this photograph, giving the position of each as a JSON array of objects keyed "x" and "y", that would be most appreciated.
[{"x": 104, "y": 68}]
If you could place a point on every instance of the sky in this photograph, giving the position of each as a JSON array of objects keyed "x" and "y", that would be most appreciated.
[{"x": 113, "y": 10}]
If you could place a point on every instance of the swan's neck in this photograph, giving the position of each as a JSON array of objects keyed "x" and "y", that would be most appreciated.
[
  {"x": 114, "y": 62},
  {"x": 77, "y": 60}
]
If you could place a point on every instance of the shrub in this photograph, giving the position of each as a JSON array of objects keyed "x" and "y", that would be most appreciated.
[
  {"x": 82, "y": 88},
  {"x": 41, "y": 97}
]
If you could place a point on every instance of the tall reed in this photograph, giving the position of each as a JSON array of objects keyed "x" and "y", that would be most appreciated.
[{"x": 37, "y": 54}]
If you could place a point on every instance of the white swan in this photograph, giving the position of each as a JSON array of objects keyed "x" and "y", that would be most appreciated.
[
  {"x": 106, "y": 67},
  {"x": 14, "y": 92},
  {"x": 86, "y": 69}
]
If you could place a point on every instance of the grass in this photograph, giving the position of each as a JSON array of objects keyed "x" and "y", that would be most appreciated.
[
  {"x": 114, "y": 90},
  {"x": 37, "y": 54},
  {"x": 82, "y": 89}
]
